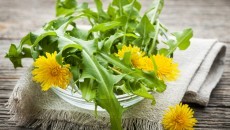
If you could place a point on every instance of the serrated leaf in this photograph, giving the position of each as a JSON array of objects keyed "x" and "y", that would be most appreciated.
[
  {"x": 59, "y": 55},
  {"x": 28, "y": 39},
  {"x": 142, "y": 91},
  {"x": 100, "y": 9},
  {"x": 79, "y": 33},
  {"x": 14, "y": 56},
  {"x": 90, "y": 46},
  {"x": 104, "y": 96},
  {"x": 109, "y": 42},
  {"x": 56, "y": 23},
  {"x": 130, "y": 15},
  {"x": 43, "y": 35},
  {"x": 148, "y": 78},
  {"x": 120, "y": 4},
  {"x": 130, "y": 11},
  {"x": 146, "y": 30},
  {"x": 64, "y": 7},
  {"x": 34, "y": 48},
  {"x": 182, "y": 40},
  {"x": 155, "y": 11},
  {"x": 122, "y": 88},
  {"x": 49, "y": 44},
  {"x": 26, "y": 52},
  {"x": 106, "y": 26}
]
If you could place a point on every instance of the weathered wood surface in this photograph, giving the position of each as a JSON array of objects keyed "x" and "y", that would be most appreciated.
[{"x": 208, "y": 18}]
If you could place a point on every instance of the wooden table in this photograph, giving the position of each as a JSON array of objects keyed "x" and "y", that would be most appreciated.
[{"x": 208, "y": 18}]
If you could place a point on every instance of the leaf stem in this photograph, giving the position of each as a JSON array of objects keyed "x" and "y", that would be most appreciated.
[{"x": 153, "y": 45}]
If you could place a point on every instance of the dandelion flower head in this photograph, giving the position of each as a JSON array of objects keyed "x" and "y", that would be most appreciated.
[
  {"x": 49, "y": 73},
  {"x": 179, "y": 117}
]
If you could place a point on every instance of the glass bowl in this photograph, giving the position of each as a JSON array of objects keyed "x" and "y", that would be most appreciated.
[{"x": 126, "y": 100}]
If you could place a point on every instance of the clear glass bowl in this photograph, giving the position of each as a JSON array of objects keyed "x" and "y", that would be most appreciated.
[{"x": 126, "y": 100}]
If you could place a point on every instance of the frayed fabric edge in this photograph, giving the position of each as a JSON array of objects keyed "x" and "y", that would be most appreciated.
[{"x": 45, "y": 123}]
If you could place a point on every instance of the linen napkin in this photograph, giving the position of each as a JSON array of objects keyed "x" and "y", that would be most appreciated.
[{"x": 201, "y": 67}]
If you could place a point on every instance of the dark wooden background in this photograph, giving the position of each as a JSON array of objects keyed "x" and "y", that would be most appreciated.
[{"x": 208, "y": 18}]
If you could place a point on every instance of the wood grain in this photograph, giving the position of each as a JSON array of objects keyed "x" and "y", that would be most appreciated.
[{"x": 208, "y": 18}]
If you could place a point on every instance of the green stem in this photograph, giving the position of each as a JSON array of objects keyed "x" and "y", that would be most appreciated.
[
  {"x": 116, "y": 121},
  {"x": 153, "y": 45}
]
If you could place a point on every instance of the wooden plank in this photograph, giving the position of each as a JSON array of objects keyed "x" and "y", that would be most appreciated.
[
  {"x": 204, "y": 16},
  {"x": 208, "y": 18}
]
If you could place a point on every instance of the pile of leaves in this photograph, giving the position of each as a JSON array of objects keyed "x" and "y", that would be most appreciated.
[{"x": 97, "y": 72}]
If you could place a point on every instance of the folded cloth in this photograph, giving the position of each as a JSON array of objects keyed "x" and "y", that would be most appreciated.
[
  {"x": 207, "y": 76},
  {"x": 201, "y": 67}
]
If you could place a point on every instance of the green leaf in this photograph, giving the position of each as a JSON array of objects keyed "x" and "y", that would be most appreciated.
[
  {"x": 82, "y": 7},
  {"x": 49, "y": 44},
  {"x": 59, "y": 55},
  {"x": 55, "y": 24},
  {"x": 14, "y": 56},
  {"x": 155, "y": 11},
  {"x": 163, "y": 51},
  {"x": 136, "y": 4},
  {"x": 100, "y": 9},
  {"x": 63, "y": 41},
  {"x": 90, "y": 46},
  {"x": 28, "y": 39},
  {"x": 153, "y": 46},
  {"x": 64, "y": 7},
  {"x": 104, "y": 96},
  {"x": 26, "y": 52},
  {"x": 148, "y": 78},
  {"x": 131, "y": 14},
  {"x": 79, "y": 33},
  {"x": 112, "y": 11},
  {"x": 35, "y": 48},
  {"x": 122, "y": 88},
  {"x": 182, "y": 40},
  {"x": 146, "y": 30},
  {"x": 109, "y": 42},
  {"x": 106, "y": 26},
  {"x": 130, "y": 11},
  {"x": 141, "y": 90},
  {"x": 75, "y": 70},
  {"x": 120, "y": 4},
  {"x": 42, "y": 36},
  {"x": 127, "y": 59},
  {"x": 88, "y": 89}
]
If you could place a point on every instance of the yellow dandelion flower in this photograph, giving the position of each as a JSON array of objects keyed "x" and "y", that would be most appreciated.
[
  {"x": 179, "y": 117},
  {"x": 146, "y": 64},
  {"x": 49, "y": 73},
  {"x": 166, "y": 69},
  {"x": 136, "y": 54}
]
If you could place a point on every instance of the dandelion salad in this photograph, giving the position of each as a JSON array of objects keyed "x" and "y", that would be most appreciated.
[{"x": 122, "y": 52}]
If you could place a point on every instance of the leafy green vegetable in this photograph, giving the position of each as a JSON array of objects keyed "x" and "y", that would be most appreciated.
[
  {"x": 64, "y": 7},
  {"x": 14, "y": 56},
  {"x": 155, "y": 11},
  {"x": 97, "y": 72},
  {"x": 146, "y": 30},
  {"x": 106, "y": 26},
  {"x": 104, "y": 96},
  {"x": 182, "y": 41}
]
